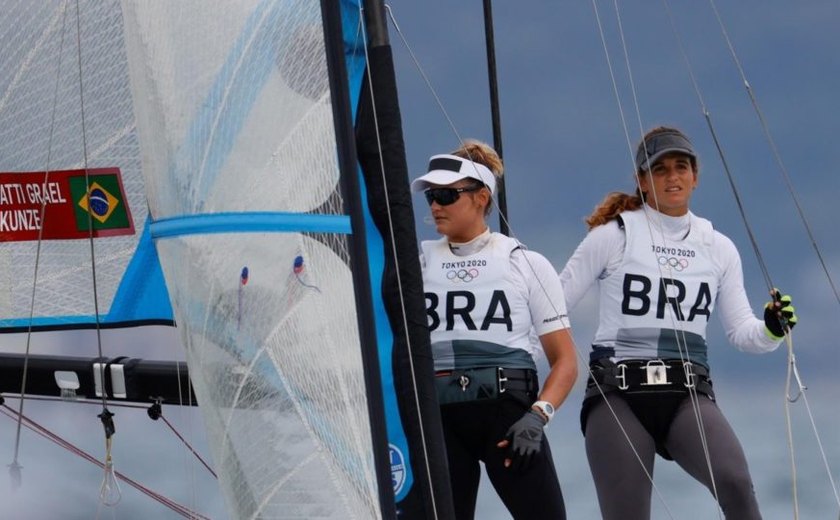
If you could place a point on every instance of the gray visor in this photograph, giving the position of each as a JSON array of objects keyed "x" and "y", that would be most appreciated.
[{"x": 660, "y": 144}]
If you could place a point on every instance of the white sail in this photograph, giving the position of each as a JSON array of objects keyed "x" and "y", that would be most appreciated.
[
  {"x": 235, "y": 125},
  {"x": 41, "y": 127}
]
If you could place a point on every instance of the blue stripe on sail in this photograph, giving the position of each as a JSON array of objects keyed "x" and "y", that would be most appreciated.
[
  {"x": 355, "y": 62},
  {"x": 250, "y": 222},
  {"x": 230, "y": 99},
  {"x": 142, "y": 292}
]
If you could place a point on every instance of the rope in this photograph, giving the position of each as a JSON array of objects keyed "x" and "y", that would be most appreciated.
[
  {"x": 110, "y": 493},
  {"x": 15, "y": 467},
  {"x": 105, "y": 416},
  {"x": 189, "y": 447},
  {"x": 130, "y": 406},
  {"x": 60, "y": 441},
  {"x": 792, "y": 371},
  {"x": 793, "y": 374},
  {"x": 789, "y": 427}
]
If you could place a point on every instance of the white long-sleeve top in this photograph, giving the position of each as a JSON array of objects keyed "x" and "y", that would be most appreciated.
[{"x": 602, "y": 251}]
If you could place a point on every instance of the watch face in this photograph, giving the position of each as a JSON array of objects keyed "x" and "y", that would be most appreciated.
[{"x": 545, "y": 407}]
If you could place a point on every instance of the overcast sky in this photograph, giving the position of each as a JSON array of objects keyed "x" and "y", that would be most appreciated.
[{"x": 565, "y": 148}]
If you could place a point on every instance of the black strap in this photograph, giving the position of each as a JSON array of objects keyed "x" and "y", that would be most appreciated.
[
  {"x": 631, "y": 376},
  {"x": 518, "y": 379},
  {"x": 508, "y": 379}
]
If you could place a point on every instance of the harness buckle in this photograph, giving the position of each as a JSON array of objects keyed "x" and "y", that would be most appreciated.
[
  {"x": 690, "y": 376},
  {"x": 621, "y": 376},
  {"x": 656, "y": 372},
  {"x": 464, "y": 381},
  {"x": 500, "y": 374}
]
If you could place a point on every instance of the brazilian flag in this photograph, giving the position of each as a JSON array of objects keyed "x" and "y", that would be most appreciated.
[{"x": 104, "y": 200}]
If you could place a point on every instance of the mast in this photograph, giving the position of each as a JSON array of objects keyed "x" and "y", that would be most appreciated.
[
  {"x": 413, "y": 412},
  {"x": 349, "y": 181},
  {"x": 495, "y": 112}
]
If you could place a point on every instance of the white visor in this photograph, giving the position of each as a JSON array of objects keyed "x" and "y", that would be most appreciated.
[{"x": 447, "y": 169}]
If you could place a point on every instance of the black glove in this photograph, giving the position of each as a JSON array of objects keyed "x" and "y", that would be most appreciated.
[
  {"x": 779, "y": 314},
  {"x": 524, "y": 439}
]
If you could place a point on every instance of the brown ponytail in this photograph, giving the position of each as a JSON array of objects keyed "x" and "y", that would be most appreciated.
[{"x": 612, "y": 205}]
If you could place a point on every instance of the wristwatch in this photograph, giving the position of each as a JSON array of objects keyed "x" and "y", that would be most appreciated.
[{"x": 545, "y": 408}]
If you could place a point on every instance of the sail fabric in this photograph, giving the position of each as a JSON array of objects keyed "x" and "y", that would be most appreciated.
[
  {"x": 235, "y": 122},
  {"x": 52, "y": 127}
]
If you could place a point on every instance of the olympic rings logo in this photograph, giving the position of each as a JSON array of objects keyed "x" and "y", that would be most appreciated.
[
  {"x": 462, "y": 275},
  {"x": 677, "y": 264}
]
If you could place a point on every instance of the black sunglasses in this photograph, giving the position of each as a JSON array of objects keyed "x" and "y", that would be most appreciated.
[{"x": 447, "y": 196}]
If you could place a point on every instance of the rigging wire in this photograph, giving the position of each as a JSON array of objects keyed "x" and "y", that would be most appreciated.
[
  {"x": 708, "y": 117},
  {"x": 392, "y": 238},
  {"x": 189, "y": 447},
  {"x": 775, "y": 149},
  {"x": 624, "y": 124},
  {"x": 580, "y": 355},
  {"x": 159, "y": 415},
  {"x": 110, "y": 494},
  {"x": 134, "y": 406},
  {"x": 789, "y": 427},
  {"x": 793, "y": 373},
  {"x": 679, "y": 330},
  {"x": 190, "y": 469},
  {"x": 60, "y": 441},
  {"x": 15, "y": 467},
  {"x": 786, "y": 176},
  {"x": 792, "y": 368}
]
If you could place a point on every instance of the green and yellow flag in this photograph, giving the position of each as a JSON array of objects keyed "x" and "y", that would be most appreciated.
[{"x": 104, "y": 201}]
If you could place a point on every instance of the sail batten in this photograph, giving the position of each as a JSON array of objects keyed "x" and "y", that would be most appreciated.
[{"x": 250, "y": 222}]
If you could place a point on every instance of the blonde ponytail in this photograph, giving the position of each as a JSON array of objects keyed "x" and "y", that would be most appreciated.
[{"x": 482, "y": 153}]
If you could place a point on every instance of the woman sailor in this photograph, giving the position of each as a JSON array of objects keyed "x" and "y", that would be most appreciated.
[
  {"x": 492, "y": 307},
  {"x": 661, "y": 271}
]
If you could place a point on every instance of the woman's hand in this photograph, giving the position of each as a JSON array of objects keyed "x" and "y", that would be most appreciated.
[{"x": 779, "y": 315}]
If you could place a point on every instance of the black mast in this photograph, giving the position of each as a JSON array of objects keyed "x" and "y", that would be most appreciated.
[
  {"x": 501, "y": 196},
  {"x": 381, "y": 153},
  {"x": 351, "y": 193}
]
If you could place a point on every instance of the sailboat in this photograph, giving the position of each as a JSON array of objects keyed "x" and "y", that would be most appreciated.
[
  {"x": 215, "y": 149},
  {"x": 238, "y": 291}
]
